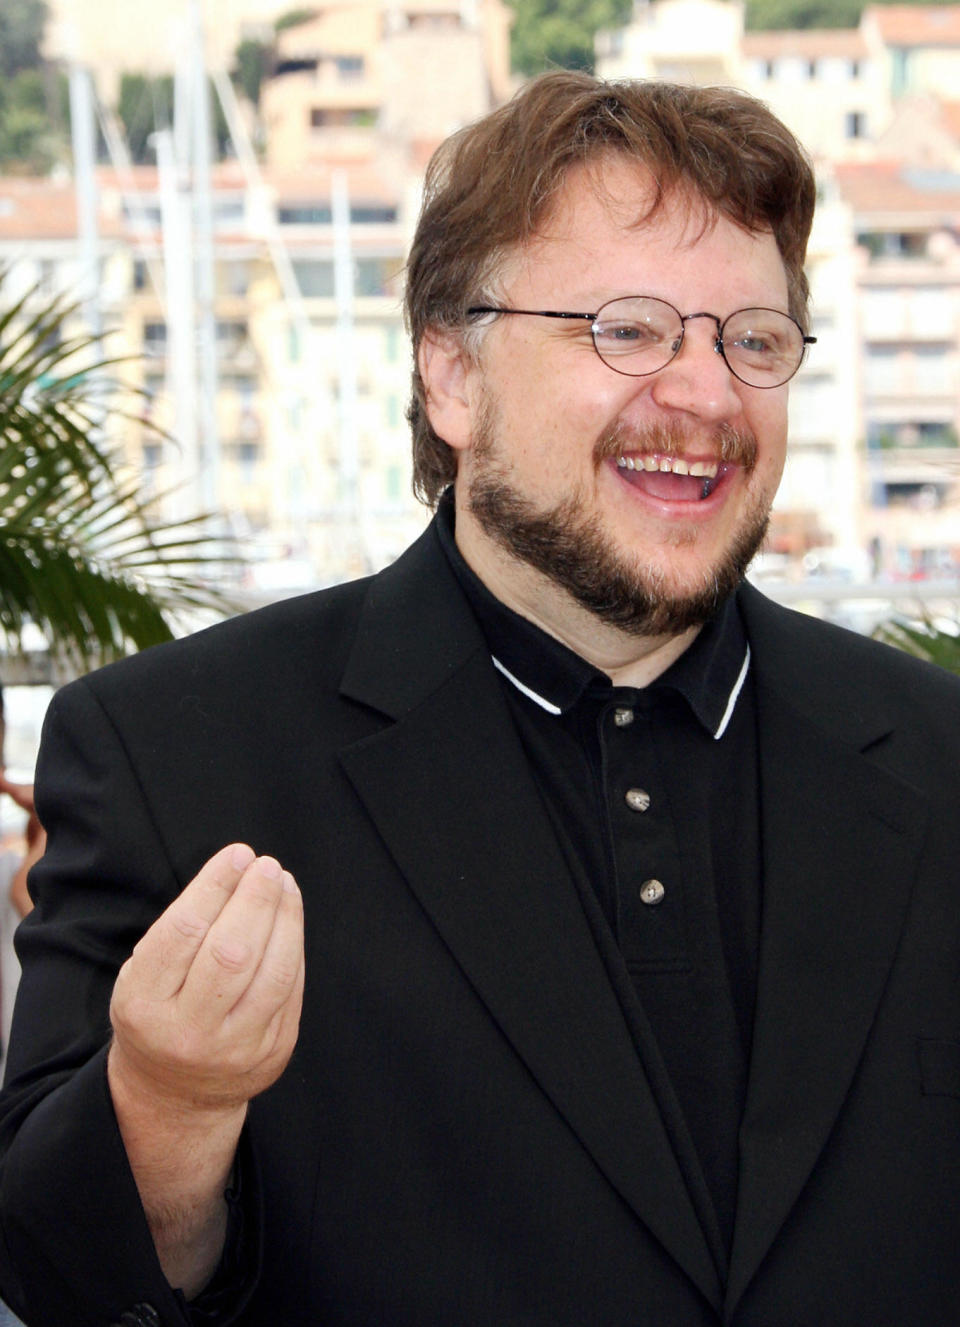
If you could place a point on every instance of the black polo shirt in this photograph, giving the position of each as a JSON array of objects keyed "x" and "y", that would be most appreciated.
[{"x": 654, "y": 796}]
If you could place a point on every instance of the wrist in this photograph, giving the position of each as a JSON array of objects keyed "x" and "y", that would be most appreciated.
[{"x": 138, "y": 1083}]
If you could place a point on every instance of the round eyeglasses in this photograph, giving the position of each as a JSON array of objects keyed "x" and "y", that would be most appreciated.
[{"x": 638, "y": 335}]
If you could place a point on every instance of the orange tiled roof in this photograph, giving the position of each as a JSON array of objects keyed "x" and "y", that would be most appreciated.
[
  {"x": 36, "y": 209},
  {"x": 363, "y": 181},
  {"x": 806, "y": 43},
  {"x": 950, "y": 113},
  {"x": 891, "y": 186},
  {"x": 916, "y": 25}
]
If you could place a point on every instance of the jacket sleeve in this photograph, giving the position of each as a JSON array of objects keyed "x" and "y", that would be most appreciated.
[{"x": 74, "y": 1242}]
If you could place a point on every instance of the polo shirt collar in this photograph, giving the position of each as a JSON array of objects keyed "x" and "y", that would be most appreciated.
[{"x": 710, "y": 674}]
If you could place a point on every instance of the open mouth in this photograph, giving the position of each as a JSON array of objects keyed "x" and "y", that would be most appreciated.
[{"x": 671, "y": 478}]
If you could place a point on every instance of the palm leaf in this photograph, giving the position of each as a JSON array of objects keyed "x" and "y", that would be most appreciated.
[
  {"x": 80, "y": 555},
  {"x": 925, "y": 640}
]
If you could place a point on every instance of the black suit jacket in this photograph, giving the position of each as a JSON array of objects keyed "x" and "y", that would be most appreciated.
[{"x": 467, "y": 1134}]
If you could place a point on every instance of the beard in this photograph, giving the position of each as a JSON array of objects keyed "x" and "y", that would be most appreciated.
[{"x": 572, "y": 549}]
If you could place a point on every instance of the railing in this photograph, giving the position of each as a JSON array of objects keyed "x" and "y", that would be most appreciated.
[{"x": 864, "y": 606}]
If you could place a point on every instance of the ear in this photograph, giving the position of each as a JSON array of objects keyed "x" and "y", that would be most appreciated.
[{"x": 447, "y": 378}]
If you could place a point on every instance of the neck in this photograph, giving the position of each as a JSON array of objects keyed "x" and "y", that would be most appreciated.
[{"x": 628, "y": 660}]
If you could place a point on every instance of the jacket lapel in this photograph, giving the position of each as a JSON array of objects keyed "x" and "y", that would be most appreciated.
[
  {"x": 841, "y": 837},
  {"x": 448, "y": 788}
]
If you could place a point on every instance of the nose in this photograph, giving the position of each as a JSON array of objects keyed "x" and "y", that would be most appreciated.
[{"x": 697, "y": 381}]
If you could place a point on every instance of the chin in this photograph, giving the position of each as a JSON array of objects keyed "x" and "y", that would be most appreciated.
[{"x": 635, "y": 594}]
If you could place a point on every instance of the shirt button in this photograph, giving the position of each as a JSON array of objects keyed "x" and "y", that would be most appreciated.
[
  {"x": 623, "y": 716},
  {"x": 637, "y": 799},
  {"x": 652, "y": 892}
]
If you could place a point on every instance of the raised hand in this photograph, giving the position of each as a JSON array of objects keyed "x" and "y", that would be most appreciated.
[
  {"x": 205, "y": 1015},
  {"x": 206, "y": 1010}
]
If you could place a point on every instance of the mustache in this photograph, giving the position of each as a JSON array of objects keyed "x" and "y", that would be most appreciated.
[{"x": 732, "y": 446}]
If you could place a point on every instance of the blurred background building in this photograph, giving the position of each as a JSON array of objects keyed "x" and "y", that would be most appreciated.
[{"x": 244, "y": 238}]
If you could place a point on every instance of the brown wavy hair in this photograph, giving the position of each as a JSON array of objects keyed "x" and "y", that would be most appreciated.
[{"x": 491, "y": 185}]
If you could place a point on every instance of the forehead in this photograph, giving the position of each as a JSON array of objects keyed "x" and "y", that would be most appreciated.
[{"x": 609, "y": 233}]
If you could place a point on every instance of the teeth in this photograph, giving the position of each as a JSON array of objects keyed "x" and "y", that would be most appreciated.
[{"x": 670, "y": 465}]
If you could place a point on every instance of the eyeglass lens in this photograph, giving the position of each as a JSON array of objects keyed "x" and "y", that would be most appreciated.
[{"x": 638, "y": 335}]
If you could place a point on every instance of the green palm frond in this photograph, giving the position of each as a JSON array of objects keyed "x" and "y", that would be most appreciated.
[
  {"x": 926, "y": 639},
  {"x": 81, "y": 558}
]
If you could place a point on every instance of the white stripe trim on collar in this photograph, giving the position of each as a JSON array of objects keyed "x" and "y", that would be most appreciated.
[
  {"x": 527, "y": 691},
  {"x": 734, "y": 697},
  {"x": 555, "y": 709}
]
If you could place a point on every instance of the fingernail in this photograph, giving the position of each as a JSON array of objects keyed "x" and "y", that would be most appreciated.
[
  {"x": 289, "y": 884},
  {"x": 241, "y": 856},
  {"x": 270, "y": 867}
]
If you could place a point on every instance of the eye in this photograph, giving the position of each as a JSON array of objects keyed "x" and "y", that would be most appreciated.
[
  {"x": 625, "y": 335},
  {"x": 762, "y": 335},
  {"x": 755, "y": 344}
]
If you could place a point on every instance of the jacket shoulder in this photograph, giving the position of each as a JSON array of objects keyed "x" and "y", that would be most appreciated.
[
  {"x": 313, "y": 630},
  {"x": 865, "y": 691}
]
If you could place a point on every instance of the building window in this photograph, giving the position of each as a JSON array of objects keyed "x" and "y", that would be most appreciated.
[
  {"x": 932, "y": 370},
  {"x": 154, "y": 338},
  {"x": 349, "y": 66},
  {"x": 236, "y": 277},
  {"x": 883, "y": 371},
  {"x": 855, "y": 124},
  {"x": 320, "y": 214},
  {"x": 894, "y": 244},
  {"x": 370, "y": 214},
  {"x": 314, "y": 277},
  {"x": 394, "y": 483},
  {"x": 231, "y": 333},
  {"x": 811, "y": 69},
  {"x": 372, "y": 276},
  {"x": 341, "y": 117},
  {"x": 900, "y": 72}
]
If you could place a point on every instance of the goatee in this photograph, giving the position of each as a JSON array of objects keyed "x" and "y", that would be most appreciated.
[{"x": 576, "y": 553}]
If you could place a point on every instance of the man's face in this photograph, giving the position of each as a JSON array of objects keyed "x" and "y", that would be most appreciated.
[{"x": 568, "y": 469}]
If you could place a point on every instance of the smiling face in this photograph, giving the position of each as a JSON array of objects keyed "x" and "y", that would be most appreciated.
[{"x": 582, "y": 489}]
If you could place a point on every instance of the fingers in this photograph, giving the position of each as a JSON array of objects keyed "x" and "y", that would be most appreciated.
[
  {"x": 206, "y": 1010},
  {"x": 261, "y": 918},
  {"x": 271, "y": 1002},
  {"x": 165, "y": 955}
]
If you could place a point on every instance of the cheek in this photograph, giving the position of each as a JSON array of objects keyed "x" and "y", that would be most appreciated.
[{"x": 768, "y": 422}]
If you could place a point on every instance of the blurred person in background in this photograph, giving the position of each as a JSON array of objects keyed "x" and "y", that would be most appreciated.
[{"x": 18, "y": 853}]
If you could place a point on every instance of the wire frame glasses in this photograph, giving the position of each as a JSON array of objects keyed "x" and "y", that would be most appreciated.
[{"x": 639, "y": 334}]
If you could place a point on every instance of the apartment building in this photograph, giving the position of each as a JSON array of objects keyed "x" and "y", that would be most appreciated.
[
  {"x": 907, "y": 225},
  {"x": 307, "y": 448},
  {"x": 295, "y": 303},
  {"x": 365, "y": 78}
]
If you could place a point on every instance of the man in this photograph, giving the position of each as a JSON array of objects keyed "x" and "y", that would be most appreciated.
[{"x": 629, "y": 990}]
